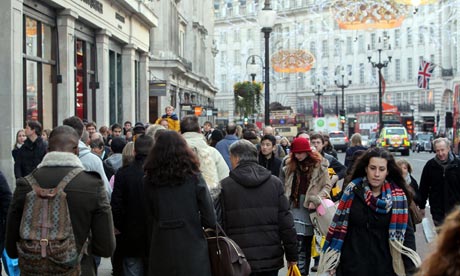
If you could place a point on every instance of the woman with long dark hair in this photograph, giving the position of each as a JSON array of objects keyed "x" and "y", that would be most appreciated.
[
  {"x": 372, "y": 226},
  {"x": 178, "y": 206},
  {"x": 306, "y": 182}
]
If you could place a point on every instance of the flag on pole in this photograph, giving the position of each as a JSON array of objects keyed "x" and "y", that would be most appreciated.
[
  {"x": 425, "y": 71},
  {"x": 384, "y": 85}
]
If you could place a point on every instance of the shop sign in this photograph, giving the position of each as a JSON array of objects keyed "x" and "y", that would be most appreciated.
[{"x": 95, "y": 5}]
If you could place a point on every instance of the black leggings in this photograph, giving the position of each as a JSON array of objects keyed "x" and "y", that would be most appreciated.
[{"x": 304, "y": 251}]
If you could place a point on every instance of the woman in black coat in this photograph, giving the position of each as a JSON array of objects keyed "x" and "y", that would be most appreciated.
[{"x": 178, "y": 206}]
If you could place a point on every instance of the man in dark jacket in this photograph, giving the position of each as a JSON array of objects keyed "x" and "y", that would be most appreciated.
[
  {"x": 129, "y": 210},
  {"x": 32, "y": 152},
  {"x": 255, "y": 213},
  {"x": 267, "y": 158},
  {"x": 114, "y": 161},
  {"x": 440, "y": 181},
  {"x": 317, "y": 140},
  {"x": 89, "y": 206},
  {"x": 5, "y": 199}
]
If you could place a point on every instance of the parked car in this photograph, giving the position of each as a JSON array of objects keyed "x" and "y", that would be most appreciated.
[
  {"x": 395, "y": 139},
  {"x": 365, "y": 140},
  {"x": 339, "y": 140},
  {"x": 423, "y": 141},
  {"x": 372, "y": 139}
]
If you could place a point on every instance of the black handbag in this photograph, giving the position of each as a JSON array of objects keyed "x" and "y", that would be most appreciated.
[{"x": 226, "y": 257}]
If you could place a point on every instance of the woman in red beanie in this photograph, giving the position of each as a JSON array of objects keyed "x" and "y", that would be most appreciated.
[{"x": 306, "y": 181}]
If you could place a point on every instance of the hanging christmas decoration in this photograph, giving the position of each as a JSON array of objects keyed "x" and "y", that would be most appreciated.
[
  {"x": 292, "y": 61},
  {"x": 416, "y": 3},
  {"x": 373, "y": 14}
]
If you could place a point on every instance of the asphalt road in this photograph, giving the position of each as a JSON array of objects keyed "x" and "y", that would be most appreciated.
[{"x": 417, "y": 160}]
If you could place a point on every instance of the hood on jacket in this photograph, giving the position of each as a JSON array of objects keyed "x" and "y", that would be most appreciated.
[
  {"x": 83, "y": 149},
  {"x": 250, "y": 174},
  {"x": 114, "y": 161}
]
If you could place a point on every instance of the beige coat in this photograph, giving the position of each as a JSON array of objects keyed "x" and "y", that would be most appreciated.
[{"x": 320, "y": 184}]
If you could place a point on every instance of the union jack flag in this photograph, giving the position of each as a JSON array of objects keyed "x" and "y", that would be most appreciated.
[{"x": 425, "y": 70}]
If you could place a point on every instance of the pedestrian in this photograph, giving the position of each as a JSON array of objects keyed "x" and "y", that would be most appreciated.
[
  {"x": 356, "y": 145},
  {"x": 20, "y": 139},
  {"x": 114, "y": 161},
  {"x": 46, "y": 134},
  {"x": 212, "y": 164},
  {"x": 207, "y": 131},
  {"x": 328, "y": 147},
  {"x": 306, "y": 181},
  {"x": 216, "y": 136},
  {"x": 127, "y": 125},
  {"x": 255, "y": 213},
  {"x": 32, "y": 151},
  {"x": 223, "y": 145},
  {"x": 444, "y": 259},
  {"x": 5, "y": 199},
  {"x": 179, "y": 206},
  {"x": 285, "y": 144},
  {"x": 411, "y": 186},
  {"x": 279, "y": 152},
  {"x": 129, "y": 210},
  {"x": 371, "y": 226},
  {"x": 88, "y": 205},
  {"x": 171, "y": 117},
  {"x": 267, "y": 158},
  {"x": 440, "y": 181}
]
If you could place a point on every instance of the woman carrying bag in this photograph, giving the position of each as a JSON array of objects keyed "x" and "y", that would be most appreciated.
[
  {"x": 371, "y": 233},
  {"x": 306, "y": 181}
]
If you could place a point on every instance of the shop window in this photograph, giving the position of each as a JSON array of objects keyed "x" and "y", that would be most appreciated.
[
  {"x": 39, "y": 71},
  {"x": 115, "y": 88}
]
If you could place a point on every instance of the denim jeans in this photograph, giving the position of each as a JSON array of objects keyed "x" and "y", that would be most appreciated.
[{"x": 133, "y": 267}]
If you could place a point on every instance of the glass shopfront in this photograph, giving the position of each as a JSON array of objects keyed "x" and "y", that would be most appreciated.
[{"x": 39, "y": 68}]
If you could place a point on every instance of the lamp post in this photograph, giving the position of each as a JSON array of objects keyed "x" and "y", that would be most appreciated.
[
  {"x": 266, "y": 19},
  {"x": 379, "y": 65},
  {"x": 342, "y": 86},
  {"x": 252, "y": 67},
  {"x": 318, "y": 93}
]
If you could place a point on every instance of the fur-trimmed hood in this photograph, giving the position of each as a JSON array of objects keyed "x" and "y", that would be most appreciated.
[{"x": 60, "y": 159}]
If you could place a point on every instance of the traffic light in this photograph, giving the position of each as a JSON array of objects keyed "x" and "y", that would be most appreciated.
[
  {"x": 342, "y": 116},
  {"x": 245, "y": 120}
]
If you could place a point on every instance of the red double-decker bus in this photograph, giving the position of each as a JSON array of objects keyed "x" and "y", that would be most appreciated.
[{"x": 368, "y": 122}]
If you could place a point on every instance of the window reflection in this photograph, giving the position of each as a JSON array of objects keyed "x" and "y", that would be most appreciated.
[{"x": 31, "y": 91}]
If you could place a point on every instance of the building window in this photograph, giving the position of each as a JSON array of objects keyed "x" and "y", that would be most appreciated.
[
  {"x": 361, "y": 73},
  {"x": 397, "y": 38},
  {"x": 349, "y": 46},
  {"x": 181, "y": 42},
  {"x": 325, "y": 49},
  {"x": 313, "y": 48},
  {"x": 410, "y": 73},
  {"x": 237, "y": 57},
  {"x": 409, "y": 36},
  {"x": 361, "y": 43},
  {"x": 337, "y": 47},
  {"x": 373, "y": 41},
  {"x": 236, "y": 36},
  {"x": 421, "y": 35},
  {"x": 39, "y": 72},
  {"x": 223, "y": 37},
  {"x": 313, "y": 77},
  {"x": 115, "y": 87},
  {"x": 223, "y": 57},
  {"x": 397, "y": 70}
]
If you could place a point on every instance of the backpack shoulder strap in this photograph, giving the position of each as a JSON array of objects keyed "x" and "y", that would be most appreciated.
[{"x": 52, "y": 191}]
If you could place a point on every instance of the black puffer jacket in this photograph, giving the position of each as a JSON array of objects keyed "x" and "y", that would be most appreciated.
[
  {"x": 29, "y": 156},
  {"x": 256, "y": 216}
]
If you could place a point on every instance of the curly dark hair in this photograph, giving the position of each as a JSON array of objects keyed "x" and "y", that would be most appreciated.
[{"x": 170, "y": 160}]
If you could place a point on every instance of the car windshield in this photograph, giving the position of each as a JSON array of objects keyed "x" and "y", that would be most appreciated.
[
  {"x": 336, "y": 135},
  {"x": 425, "y": 137},
  {"x": 395, "y": 131}
]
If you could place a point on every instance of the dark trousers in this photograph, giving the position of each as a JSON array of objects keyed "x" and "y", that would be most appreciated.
[
  {"x": 265, "y": 273},
  {"x": 304, "y": 251}
]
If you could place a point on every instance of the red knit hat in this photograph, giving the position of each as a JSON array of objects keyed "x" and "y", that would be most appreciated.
[{"x": 300, "y": 145}]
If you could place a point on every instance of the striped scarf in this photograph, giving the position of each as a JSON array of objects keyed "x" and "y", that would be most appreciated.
[{"x": 392, "y": 199}]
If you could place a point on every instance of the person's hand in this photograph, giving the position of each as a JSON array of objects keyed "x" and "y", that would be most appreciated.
[
  {"x": 116, "y": 231},
  {"x": 311, "y": 206},
  {"x": 291, "y": 264},
  {"x": 422, "y": 211},
  {"x": 332, "y": 272},
  {"x": 334, "y": 179}
]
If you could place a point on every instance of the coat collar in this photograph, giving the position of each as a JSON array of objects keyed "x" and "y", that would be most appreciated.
[{"x": 60, "y": 159}]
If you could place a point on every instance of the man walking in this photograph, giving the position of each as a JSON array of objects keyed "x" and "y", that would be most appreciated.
[
  {"x": 88, "y": 205},
  {"x": 440, "y": 181},
  {"x": 222, "y": 145},
  {"x": 32, "y": 152},
  {"x": 255, "y": 213}
]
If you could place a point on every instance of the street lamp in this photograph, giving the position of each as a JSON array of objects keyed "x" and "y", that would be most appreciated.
[
  {"x": 266, "y": 19},
  {"x": 379, "y": 65},
  {"x": 252, "y": 67},
  {"x": 318, "y": 93},
  {"x": 342, "y": 86}
]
